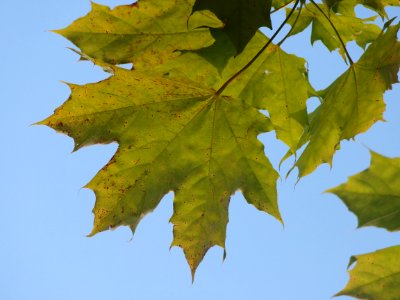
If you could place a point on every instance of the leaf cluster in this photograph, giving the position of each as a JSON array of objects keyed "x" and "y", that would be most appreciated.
[{"x": 188, "y": 114}]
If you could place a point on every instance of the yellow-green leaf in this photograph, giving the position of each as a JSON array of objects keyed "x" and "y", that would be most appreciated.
[
  {"x": 349, "y": 27},
  {"x": 376, "y": 276},
  {"x": 174, "y": 134},
  {"x": 145, "y": 33},
  {"x": 346, "y": 6},
  {"x": 374, "y": 194},
  {"x": 353, "y": 102}
]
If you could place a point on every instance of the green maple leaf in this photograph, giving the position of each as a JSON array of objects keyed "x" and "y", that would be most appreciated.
[
  {"x": 177, "y": 131},
  {"x": 349, "y": 27},
  {"x": 145, "y": 33},
  {"x": 374, "y": 194},
  {"x": 353, "y": 102},
  {"x": 242, "y": 18},
  {"x": 375, "y": 276}
]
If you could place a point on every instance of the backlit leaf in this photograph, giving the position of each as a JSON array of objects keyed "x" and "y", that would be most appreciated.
[
  {"x": 376, "y": 276},
  {"x": 353, "y": 102},
  {"x": 145, "y": 33},
  {"x": 174, "y": 134},
  {"x": 374, "y": 194},
  {"x": 376, "y": 5},
  {"x": 350, "y": 28}
]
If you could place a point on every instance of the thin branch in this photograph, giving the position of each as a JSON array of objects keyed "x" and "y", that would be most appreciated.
[
  {"x": 334, "y": 28},
  {"x": 294, "y": 24},
  {"x": 223, "y": 87}
]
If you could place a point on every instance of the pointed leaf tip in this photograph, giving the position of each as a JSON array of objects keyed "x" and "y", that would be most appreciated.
[
  {"x": 126, "y": 33},
  {"x": 375, "y": 276},
  {"x": 374, "y": 194}
]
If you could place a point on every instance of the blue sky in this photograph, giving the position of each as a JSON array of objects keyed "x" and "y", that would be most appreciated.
[{"x": 44, "y": 252}]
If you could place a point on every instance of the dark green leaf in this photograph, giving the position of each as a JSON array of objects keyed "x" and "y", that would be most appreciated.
[{"x": 242, "y": 18}]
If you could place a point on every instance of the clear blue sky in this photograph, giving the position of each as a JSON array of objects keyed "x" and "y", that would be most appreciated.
[{"x": 45, "y": 215}]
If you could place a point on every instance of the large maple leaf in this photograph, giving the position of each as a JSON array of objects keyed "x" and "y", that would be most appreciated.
[
  {"x": 145, "y": 33},
  {"x": 177, "y": 131}
]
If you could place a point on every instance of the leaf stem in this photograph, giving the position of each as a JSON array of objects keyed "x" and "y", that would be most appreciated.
[
  {"x": 334, "y": 28},
  {"x": 223, "y": 87},
  {"x": 294, "y": 24}
]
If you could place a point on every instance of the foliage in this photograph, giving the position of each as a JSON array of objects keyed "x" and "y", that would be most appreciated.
[
  {"x": 374, "y": 196},
  {"x": 378, "y": 187},
  {"x": 376, "y": 275},
  {"x": 187, "y": 115}
]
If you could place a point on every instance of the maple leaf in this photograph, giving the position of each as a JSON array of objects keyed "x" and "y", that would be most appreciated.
[
  {"x": 242, "y": 18},
  {"x": 353, "y": 102},
  {"x": 144, "y": 33},
  {"x": 375, "y": 276},
  {"x": 349, "y": 27},
  {"x": 374, "y": 194},
  {"x": 176, "y": 132}
]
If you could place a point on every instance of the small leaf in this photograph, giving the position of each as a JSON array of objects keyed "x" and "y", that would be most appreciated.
[
  {"x": 350, "y": 28},
  {"x": 374, "y": 194},
  {"x": 375, "y": 276},
  {"x": 242, "y": 18},
  {"x": 266, "y": 84},
  {"x": 376, "y": 5},
  {"x": 145, "y": 33}
]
